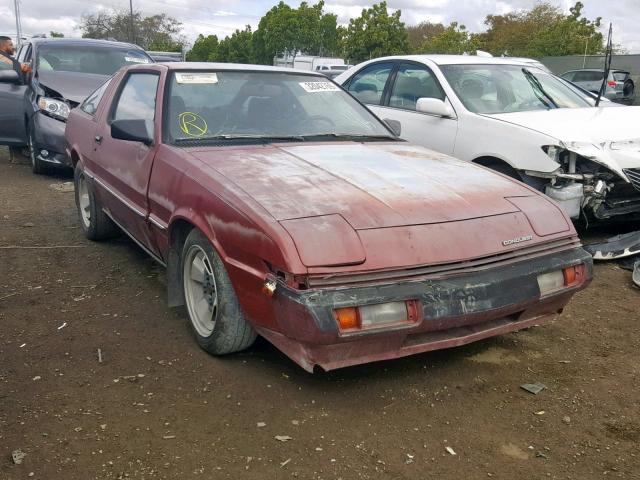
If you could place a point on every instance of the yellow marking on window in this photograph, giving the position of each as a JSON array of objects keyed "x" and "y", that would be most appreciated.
[{"x": 192, "y": 124}]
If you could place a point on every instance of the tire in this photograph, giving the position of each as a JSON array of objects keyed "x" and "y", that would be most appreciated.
[
  {"x": 628, "y": 89},
  {"x": 95, "y": 224},
  {"x": 215, "y": 315},
  {"x": 37, "y": 166}
]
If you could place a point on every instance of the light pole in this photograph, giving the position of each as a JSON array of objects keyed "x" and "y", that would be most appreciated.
[
  {"x": 16, "y": 4},
  {"x": 131, "y": 32}
]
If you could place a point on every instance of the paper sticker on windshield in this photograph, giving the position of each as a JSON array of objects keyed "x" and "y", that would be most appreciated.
[
  {"x": 136, "y": 59},
  {"x": 313, "y": 87},
  {"x": 197, "y": 78}
]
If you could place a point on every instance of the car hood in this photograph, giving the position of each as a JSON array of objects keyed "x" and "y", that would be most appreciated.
[
  {"x": 609, "y": 136},
  {"x": 370, "y": 185},
  {"x": 71, "y": 86},
  {"x": 580, "y": 124}
]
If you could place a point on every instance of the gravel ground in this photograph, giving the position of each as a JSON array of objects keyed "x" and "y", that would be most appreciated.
[{"x": 157, "y": 406}]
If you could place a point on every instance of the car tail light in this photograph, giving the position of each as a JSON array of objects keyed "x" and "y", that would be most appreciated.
[
  {"x": 366, "y": 317},
  {"x": 612, "y": 83},
  {"x": 568, "y": 277}
]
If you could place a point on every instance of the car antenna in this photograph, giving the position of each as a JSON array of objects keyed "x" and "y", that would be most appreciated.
[{"x": 607, "y": 65}]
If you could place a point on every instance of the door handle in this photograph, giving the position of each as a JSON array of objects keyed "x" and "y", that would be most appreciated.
[{"x": 98, "y": 139}]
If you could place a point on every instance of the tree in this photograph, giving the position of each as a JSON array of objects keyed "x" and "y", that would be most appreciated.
[
  {"x": 424, "y": 31},
  {"x": 235, "y": 49},
  {"x": 203, "y": 48},
  {"x": 156, "y": 32},
  {"x": 375, "y": 33},
  {"x": 452, "y": 40},
  {"x": 307, "y": 29},
  {"x": 542, "y": 31},
  {"x": 53, "y": 34}
]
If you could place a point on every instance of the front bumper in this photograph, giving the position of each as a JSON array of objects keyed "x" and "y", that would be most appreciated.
[
  {"x": 49, "y": 136},
  {"x": 454, "y": 311}
]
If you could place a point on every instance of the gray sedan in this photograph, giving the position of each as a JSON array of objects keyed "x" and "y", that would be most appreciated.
[{"x": 619, "y": 88}]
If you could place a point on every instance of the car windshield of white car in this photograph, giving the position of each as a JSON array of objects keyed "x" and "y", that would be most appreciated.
[
  {"x": 80, "y": 58},
  {"x": 491, "y": 89},
  {"x": 267, "y": 106}
]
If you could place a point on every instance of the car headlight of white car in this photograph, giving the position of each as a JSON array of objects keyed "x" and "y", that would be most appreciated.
[{"x": 54, "y": 108}]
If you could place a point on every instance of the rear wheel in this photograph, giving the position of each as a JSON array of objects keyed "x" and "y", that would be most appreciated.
[
  {"x": 95, "y": 224},
  {"x": 215, "y": 314},
  {"x": 629, "y": 88}
]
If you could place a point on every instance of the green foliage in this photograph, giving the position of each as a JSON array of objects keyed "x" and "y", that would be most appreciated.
[
  {"x": 421, "y": 33},
  {"x": 542, "y": 31},
  {"x": 203, "y": 49},
  {"x": 375, "y": 33},
  {"x": 156, "y": 32},
  {"x": 453, "y": 39},
  {"x": 235, "y": 49},
  {"x": 307, "y": 29},
  {"x": 53, "y": 34}
]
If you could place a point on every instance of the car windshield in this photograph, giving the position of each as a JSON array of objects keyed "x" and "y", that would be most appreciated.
[
  {"x": 243, "y": 104},
  {"x": 620, "y": 76},
  {"x": 489, "y": 89},
  {"x": 100, "y": 60}
]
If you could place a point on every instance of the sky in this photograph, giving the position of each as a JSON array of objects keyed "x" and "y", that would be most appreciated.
[{"x": 222, "y": 17}]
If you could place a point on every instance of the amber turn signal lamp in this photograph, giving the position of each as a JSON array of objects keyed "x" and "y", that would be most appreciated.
[
  {"x": 348, "y": 318},
  {"x": 573, "y": 275}
]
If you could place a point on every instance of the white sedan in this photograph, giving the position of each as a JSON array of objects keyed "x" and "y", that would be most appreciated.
[{"x": 514, "y": 118}]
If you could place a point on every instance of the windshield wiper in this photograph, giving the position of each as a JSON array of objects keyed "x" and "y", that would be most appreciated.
[
  {"x": 535, "y": 83},
  {"x": 289, "y": 138},
  {"x": 351, "y": 136},
  {"x": 245, "y": 136}
]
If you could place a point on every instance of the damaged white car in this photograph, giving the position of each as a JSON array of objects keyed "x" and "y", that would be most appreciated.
[{"x": 514, "y": 118}]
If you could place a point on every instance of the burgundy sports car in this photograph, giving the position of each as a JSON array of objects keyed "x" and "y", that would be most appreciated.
[{"x": 283, "y": 207}]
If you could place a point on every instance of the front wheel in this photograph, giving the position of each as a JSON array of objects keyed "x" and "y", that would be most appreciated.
[{"x": 215, "y": 314}]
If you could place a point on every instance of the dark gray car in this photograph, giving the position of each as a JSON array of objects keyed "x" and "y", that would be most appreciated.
[{"x": 65, "y": 72}]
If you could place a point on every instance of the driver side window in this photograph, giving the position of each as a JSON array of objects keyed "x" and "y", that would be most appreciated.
[
  {"x": 413, "y": 82},
  {"x": 137, "y": 100},
  {"x": 368, "y": 84}
]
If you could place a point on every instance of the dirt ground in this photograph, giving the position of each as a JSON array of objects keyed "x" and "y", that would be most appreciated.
[{"x": 159, "y": 407}]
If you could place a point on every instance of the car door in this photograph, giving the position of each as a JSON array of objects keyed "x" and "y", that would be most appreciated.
[
  {"x": 123, "y": 167},
  {"x": 369, "y": 84},
  {"x": 13, "y": 130},
  {"x": 409, "y": 82}
]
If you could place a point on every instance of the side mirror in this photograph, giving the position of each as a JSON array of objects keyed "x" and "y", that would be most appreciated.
[
  {"x": 434, "y": 106},
  {"x": 9, "y": 76},
  {"x": 394, "y": 125},
  {"x": 133, "y": 130}
]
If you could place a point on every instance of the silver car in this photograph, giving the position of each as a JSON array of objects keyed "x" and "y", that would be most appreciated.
[{"x": 620, "y": 87}]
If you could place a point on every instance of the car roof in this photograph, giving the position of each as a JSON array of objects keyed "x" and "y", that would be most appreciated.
[
  {"x": 599, "y": 70},
  {"x": 233, "y": 67},
  {"x": 82, "y": 41},
  {"x": 460, "y": 59}
]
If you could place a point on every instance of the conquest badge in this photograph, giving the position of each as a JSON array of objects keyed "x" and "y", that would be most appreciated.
[{"x": 513, "y": 241}]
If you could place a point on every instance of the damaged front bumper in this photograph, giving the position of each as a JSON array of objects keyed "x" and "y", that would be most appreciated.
[
  {"x": 590, "y": 179},
  {"x": 453, "y": 310},
  {"x": 49, "y": 139}
]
